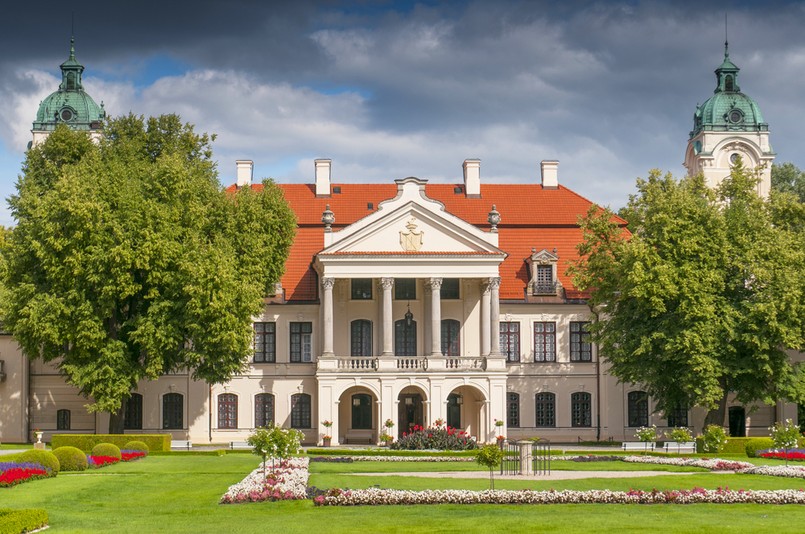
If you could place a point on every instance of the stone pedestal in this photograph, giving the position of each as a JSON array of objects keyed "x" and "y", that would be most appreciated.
[{"x": 526, "y": 463}]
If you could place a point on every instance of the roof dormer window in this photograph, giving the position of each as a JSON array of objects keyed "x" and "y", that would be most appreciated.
[{"x": 544, "y": 279}]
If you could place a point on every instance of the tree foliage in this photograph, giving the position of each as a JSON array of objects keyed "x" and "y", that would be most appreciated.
[
  {"x": 128, "y": 260},
  {"x": 275, "y": 442},
  {"x": 788, "y": 178},
  {"x": 704, "y": 296}
]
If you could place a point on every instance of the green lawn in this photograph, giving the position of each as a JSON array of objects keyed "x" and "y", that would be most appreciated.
[{"x": 180, "y": 494}]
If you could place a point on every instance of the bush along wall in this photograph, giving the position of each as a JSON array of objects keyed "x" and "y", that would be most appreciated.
[
  {"x": 17, "y": 521},
  {"x": 85, "y": 442}
]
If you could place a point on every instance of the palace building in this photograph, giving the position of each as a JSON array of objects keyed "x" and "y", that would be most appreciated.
[{"x": 409, "y": 301}]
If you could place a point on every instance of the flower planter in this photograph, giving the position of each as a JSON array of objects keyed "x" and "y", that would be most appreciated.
[{"x": 326, "y": 441}]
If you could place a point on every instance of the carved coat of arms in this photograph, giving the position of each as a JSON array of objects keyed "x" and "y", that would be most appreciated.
[{"x": 412, "y": 239}]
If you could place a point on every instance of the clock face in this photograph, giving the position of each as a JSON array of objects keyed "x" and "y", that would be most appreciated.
[
  {"x": 735, "y": 116},
  {"x": 66, "y": 114}
]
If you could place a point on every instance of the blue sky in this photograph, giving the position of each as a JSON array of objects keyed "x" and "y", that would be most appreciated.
[{"x": 393, "y": 89}]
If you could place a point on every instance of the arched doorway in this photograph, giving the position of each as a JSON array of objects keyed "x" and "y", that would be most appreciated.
[
  {"x": 737, "y": 418},
  {"x": 464, "y": 409},
  {"x": 410, "y": 412},
  {"x": 357, "y": 416}
]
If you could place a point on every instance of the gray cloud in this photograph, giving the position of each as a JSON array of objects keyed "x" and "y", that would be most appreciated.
[{"x": 390, "y": 89}]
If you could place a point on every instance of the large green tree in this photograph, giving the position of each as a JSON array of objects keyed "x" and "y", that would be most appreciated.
[
  {"x": 788, "y": 178},
  {"x": 703, "y": 298},
  {"x": 129, "y": 261}
]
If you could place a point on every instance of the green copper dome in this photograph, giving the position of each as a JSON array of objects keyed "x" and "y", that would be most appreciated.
[
  {"x": 728, "y": 109},
  {"x": 70, "y": 104}
]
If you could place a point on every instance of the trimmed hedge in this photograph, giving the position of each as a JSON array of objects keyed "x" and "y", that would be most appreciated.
[
  {"x": 757, "y": 444},
  {"x": 71, "y": 458},
  {"x": 106, "y": 449},
  {"x": 736, "y": 445},
  {"x": 44, "y": 458},
  {"x": 18, "y": 521},
  {"x": 85, "y": 442}
]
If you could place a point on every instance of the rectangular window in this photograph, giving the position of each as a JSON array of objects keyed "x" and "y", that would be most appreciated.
[
  {"x": 513, "y": 410},
  {"x": 263, "y": 410},
  {"x": 545, "y": 283},
  {"x": 545, "y": 342},
  {"x": 678, "y": 416},
  {"x": 300, "y": 410},
  {"x": 581, "y": 411},
  {"x": 301, "y": 342},
  {"x": 581, "y": 350},
  {"x": 405, "y": 289},
  {"x": 133, "y": 412},
  {"x": 546, "y": 410},
  {"x": 228, "y": 411},
  {"x": 510, "y": 340},
  {"x": 265, "y": 342},
  {"x": 361, "y": 289},
  {"x": 172, "y": 411},
  {"x": 637, "y": 406},
  {"x": 63, "y": 420},
  {"x": 449, "y": 289}
]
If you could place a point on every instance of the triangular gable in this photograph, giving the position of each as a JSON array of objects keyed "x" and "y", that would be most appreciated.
[
  {"x": 402, "y": 233},
  {"x": 411, "y": 223}
]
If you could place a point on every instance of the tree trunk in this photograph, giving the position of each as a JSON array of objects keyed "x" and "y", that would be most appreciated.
[
  {"x": 116, "y": 420},
  {"x": 718, "y": 415}
]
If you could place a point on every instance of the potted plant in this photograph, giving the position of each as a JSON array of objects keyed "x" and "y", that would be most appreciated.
[
  {"x": 386, "y": 438},
  {"x": 327, "y": 438},
  {"x": 438, "y": 422}
]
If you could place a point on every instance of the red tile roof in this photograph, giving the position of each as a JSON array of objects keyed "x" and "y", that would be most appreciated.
[{"x": 531, "y": 218}]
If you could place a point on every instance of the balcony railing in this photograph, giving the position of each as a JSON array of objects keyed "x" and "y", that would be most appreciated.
[
  {"x": 408, "y": 364},
  {"x": 545, "y": 288}
]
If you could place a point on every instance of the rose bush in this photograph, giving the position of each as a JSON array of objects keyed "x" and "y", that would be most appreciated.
[{"x": 444, "y": 438}]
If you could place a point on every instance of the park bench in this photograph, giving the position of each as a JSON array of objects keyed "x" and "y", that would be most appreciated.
[
  {"x": 235, "y": 445},
  {"x": 181, "y": 444},
  {"x": 679, "y": 447},
  {"x": 638, "y": 446}
]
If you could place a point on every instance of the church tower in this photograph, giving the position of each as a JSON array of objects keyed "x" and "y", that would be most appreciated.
[
  {"x": 69, "y": 104},
  {"x": 726, "y": 126}
]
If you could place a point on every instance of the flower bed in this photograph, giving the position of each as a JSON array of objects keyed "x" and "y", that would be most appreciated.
[
  {"x": 790, "y": 471},
  {"x": 443, "y": 438},
  {"x": 347, "y": 459},
  {"x": 96, "y": 462},
  {"x": 13, "y": 473},
  {"x": 128, "y": 456},
  {"x": 791, "y": 454},
  {"x": 284, "y": 481},
  {"x": 713, "y": 464},
  {"x": 375, "y": 496}
]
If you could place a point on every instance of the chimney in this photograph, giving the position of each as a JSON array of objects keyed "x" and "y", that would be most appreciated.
[
  {"x": 244, "y": 168},
  {"x": 323, "y": 171},
  {"x": 472, "y": 178},
  {"x": 550, "y": 174}
]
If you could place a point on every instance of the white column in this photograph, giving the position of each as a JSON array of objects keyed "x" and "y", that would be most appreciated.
[
  {"x": 494, "y": 312},
  {"x": 486, "y": 327},
  {"x": 388, "y": 327},
  {"x": 327, "y": 303},
  {"x": 435, "y": 316}
]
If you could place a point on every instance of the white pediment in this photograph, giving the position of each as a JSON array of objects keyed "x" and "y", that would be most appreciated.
[{"x": 408, "y": 229}]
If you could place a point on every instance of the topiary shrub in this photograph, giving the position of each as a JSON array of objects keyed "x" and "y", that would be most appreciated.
[
  {"x": 753, "y": 445},
  {"x": 85, "y": 442},
  {"x": 106, "y": 449},
  {"x": 44, "y": 458},
  {"x": 71, "y": 458},
  {"x": 136, "y": 446}
]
